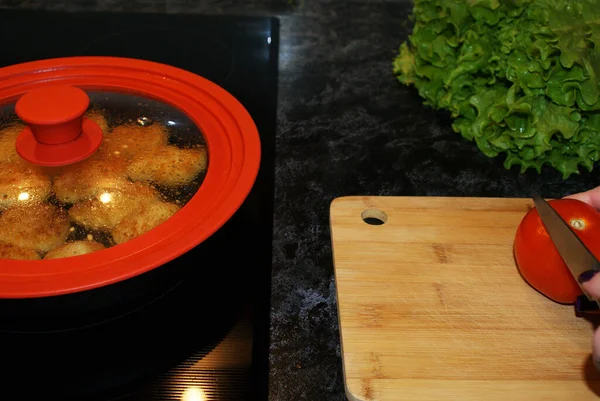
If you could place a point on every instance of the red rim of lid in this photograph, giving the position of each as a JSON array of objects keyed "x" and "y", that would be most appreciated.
[{"x": 233, "y": 145}]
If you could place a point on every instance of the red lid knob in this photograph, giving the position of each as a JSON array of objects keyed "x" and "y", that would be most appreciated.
[
  {"x": 54, "y": 113},
  {"x": 57, "y": 133}
]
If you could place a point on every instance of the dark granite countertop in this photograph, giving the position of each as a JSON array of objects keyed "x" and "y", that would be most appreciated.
[{"x": 345, "y": 128}]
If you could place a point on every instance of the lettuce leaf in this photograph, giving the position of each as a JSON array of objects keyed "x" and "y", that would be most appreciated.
[{"x": 519, "y": 77}]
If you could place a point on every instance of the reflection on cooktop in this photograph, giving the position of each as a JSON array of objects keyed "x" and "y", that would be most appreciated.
[
  {"x": 188, "y": 50},
  {"x": 220, "y": 374}
]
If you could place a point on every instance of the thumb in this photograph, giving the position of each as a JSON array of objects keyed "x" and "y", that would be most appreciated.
[
  {"x": 590, "y": 281},
  {"x": 596, "y": 349},
  {"x": 592, "y": 286},
  {"x": 591, "y": 197}
]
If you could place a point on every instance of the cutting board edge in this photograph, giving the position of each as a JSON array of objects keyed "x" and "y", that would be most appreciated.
[
  {"x": 349, "y": 394},
  {"x": 343, "y": 198},
  {"x": 373, "y": 201}
]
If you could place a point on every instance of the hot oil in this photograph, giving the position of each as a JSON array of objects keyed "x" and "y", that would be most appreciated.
[
  {"x": 80, "y": 233},
  {"x": 183, "y": 133}
]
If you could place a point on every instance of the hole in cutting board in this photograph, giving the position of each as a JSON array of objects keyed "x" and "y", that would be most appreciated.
[{"x": 374, "y": 217}]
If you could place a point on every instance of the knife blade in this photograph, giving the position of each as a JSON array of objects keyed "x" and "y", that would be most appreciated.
[{"x": 573, "y": 251}]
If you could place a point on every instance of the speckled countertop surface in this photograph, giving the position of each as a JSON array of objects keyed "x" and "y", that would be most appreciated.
[{"x": 345, "y": 128}]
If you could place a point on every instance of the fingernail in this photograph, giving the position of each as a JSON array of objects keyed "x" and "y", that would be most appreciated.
[{"x": 587, "y": 276}]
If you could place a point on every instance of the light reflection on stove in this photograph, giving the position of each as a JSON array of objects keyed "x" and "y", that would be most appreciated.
[
  {"x": 220, "y": 371},
  {"x": 193, "y": 394}
]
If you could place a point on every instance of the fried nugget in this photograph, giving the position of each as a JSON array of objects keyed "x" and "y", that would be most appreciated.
[
  {"x": 23, "y": 183},
  {"x": 97, "y": 117},
  {"x": 8, "y": 251},
  {"x": 90, "y": 177},
  {"x": 38, "y": 226},
  {"x": 74, "y": 248},
  {"x": 8, "y": 151},
  {"x": 149, "y": 216},
  {"x": 8, "y": 138},
  {"x": 130, "y": 139},
  {"x": 168, "y": 165},
  {"x": 107, "y": 209}
]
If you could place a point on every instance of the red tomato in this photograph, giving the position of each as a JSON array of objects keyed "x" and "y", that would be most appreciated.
[{"x": 538, "y": 259}]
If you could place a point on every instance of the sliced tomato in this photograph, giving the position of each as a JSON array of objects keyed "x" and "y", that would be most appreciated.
[{"x": 537, "y": 258}]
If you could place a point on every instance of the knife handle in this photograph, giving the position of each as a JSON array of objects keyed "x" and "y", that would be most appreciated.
[{"x": 585, "y": 307}]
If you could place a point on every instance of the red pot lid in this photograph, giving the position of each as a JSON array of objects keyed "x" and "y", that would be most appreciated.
[{"x": 110, "y": 167}]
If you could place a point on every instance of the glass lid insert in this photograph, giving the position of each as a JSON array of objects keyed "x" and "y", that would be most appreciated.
[{"x": 151, "y": 162}]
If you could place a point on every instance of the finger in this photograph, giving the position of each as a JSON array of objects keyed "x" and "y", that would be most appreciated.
[
  {"x": 596, "y": 349},
  {"x": 591, "y": 197},
  {"x": 591, "y": 283}
]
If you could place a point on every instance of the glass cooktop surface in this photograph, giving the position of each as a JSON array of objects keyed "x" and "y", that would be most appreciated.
[{"x": 206, "y": 337}]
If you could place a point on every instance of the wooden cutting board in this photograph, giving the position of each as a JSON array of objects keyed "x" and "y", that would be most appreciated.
[{"x": 432, "y": 307}]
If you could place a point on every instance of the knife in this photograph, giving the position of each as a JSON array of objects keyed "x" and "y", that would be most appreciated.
[{"x": 572, "y": 250}]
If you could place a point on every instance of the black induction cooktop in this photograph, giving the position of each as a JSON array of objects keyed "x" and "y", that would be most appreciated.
[{"x": 206, "y": 337}]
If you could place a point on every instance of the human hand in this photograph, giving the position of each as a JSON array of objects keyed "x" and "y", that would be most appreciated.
[{"x": 592, "y": 285}]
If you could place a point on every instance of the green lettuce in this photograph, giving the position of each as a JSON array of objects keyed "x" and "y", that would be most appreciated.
[{"x": 519, "y": 77}]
